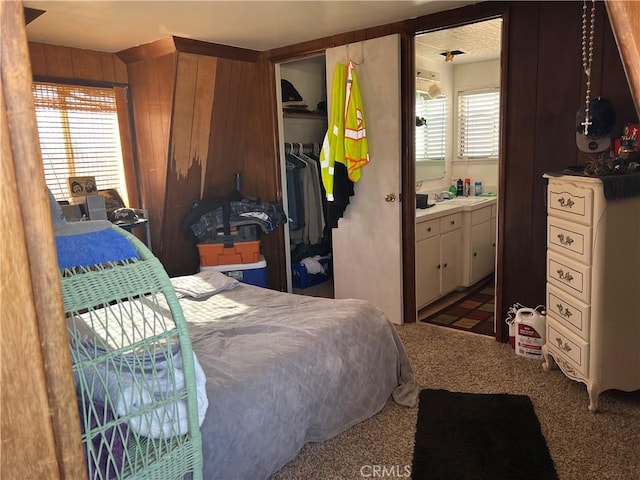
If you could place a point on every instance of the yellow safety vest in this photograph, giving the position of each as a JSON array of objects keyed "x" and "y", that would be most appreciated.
[
  {"x": 333, "y": 144},
  {"x": 356, "y": 145}
]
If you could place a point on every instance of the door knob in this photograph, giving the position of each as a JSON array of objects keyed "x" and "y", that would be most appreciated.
[{"x": 389, "y": 197}]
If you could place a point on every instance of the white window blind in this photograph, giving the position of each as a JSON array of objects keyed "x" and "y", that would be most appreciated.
[
  {"x": 478, "y": 124},
  {"x": 79, "y": 136},
  {"x": 430, "y": 137}
]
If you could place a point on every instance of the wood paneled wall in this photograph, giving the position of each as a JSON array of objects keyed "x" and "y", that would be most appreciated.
[
  {"x": 58, "y": 62},
  {"x": 542, "y": 102},
  {"x": 203, "y": 113}
]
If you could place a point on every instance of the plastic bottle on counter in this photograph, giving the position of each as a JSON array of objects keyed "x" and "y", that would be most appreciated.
[
  {"x": 478, "y": 189},
  {"x": 467, "y": 187},
  {"x": 459, "y": 188}
]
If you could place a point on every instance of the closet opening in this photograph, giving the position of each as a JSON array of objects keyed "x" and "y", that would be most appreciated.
[{"x": 302, "y": 125}]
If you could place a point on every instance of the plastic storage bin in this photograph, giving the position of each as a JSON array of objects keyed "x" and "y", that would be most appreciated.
[
  {"x": 251, "y": 273},
  {"x": 300, "y": 278},
  {"x": 240, "y": 252}
]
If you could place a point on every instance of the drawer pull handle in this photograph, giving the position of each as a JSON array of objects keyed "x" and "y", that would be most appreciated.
[
  {"x": 565, "y": 240},
  {"x": 566, "y": 203},
  {"x": 438, "y": 267},
  {"x": 429, "y": 229},
  {"x": 453, "y": 222},
  {"x": 445, "y": 265},
  {"x": 565, "y": 276},
  {"x": 564, "y": 347},
  {"x": 565, "y": 312}
]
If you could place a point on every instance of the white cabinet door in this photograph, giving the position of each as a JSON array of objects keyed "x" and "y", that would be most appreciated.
[
  {"x": 367, "y": 245},
  {"x": 427, "y": 271},
  {"x": 481, "y": 251},
  {"x": 451, "y": 261}
]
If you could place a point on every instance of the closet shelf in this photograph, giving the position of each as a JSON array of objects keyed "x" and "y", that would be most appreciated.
[{"x": 311, "y": 115}]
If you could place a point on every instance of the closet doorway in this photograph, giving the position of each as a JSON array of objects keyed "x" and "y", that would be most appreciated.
[{"x": 303, "y": 124}]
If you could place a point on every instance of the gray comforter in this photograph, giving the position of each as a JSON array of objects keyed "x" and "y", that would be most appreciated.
[{"x": 284, "y": 369}]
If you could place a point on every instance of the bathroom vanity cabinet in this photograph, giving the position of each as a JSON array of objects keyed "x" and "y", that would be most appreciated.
[
  {"x": 438, "y": 257},
  {"x": 455, "y": 246},
  {"x": 593, "y": 285}
]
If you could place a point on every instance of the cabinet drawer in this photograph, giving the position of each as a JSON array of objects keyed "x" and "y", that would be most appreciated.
[
  {"x": 570, "y": 202},
  {"x": 570, "y": 239},
  {"x": 568, "y": 311},
  {"x": 480, "y": 215},
  {"x": 571, "y": 277},
  {"x": 568, "y": 346},
  {"x": 450, "y": 222},
  {"x": 427, "y": 229}
]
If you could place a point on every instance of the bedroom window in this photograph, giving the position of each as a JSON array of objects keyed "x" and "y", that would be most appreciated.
[
  {"x": 430, "y": 135},
  {"x": 478, "y": 124},
  {"x": 79, "y": 136}
]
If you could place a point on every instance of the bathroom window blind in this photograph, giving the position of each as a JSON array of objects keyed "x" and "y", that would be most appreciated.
[
  {"x": 430, "y": 137},
  {"x": 478, "y": 124},
  {"x": 79, "y": 136}
]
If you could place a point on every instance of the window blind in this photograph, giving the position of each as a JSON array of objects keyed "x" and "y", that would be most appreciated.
[
  {"x": 79, "y": 136},
  {"x": 430, "y": 138},
  {"x": 478, "y": 124}
]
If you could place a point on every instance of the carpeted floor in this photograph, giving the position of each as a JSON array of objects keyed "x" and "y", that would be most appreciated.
[
  {"x": 583, "y": 445},
  {"x": 473, "y": 313},
  {"x": 471, "y": 436}
]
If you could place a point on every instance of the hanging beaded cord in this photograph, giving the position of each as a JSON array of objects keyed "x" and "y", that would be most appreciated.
[{"x": 587, "y": 57}]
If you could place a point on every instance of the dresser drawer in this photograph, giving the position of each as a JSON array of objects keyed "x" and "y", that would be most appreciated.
[
  {"x": 450, "y": 222},
  {"x": 570, "y": 276},
  {"x": 568, "y": 346},
  {"x": 570, "y": 239},
  {"x": 570, "y": 202},
  {"x": 568, "y": 311},
  {"x": 427, "y": 229}
]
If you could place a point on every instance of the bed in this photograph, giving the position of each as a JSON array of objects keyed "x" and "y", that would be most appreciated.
[
  {"x": 258, "y": 373},
  {"x": 285, "y": 369}
]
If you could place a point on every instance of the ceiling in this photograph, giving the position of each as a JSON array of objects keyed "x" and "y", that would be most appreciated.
[
  {"x": 115, "y": 25},
  {"x": 479, "y": 41}
]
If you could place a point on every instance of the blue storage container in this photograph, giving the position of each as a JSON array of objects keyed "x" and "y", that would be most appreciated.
[
  {"x": 250, "y": 273},
  {"x": 300, "y": 278}
]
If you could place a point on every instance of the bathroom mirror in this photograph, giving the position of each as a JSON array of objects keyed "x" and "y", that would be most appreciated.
[{"x": 453, "y": 66}]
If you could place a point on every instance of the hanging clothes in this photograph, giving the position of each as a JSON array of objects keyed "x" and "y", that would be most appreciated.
[
  {"x": 333, "y": 144},
  {"x": 356, "y": 146},
  {"x": 345, "y": 148}
]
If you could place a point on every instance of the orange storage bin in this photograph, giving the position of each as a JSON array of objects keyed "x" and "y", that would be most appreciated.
[{"x": 240, "y": 252}]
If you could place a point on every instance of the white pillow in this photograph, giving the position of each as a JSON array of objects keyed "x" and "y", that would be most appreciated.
[{"x": 203, "y": 284}]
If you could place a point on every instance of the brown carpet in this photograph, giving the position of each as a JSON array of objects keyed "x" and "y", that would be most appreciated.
[
  {"x": 583, "y": 446},
  {"x": 472, "y": 313}
]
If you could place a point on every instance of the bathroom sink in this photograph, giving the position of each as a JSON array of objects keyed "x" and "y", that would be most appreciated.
[{"x": 467, "y": 200}]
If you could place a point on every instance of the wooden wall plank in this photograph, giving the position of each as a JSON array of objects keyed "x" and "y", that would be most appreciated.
[
  {"x": 151, "y": 86},
  {"x": 204, "y": 94},
  {"x": 37, "y": 58},
  {"x": 77, "y": 64},
  {"x": 87, "y": 64},
  {"x": 625, "y": 19},
  {"x": 58, "y": 61},
  {"x": 40, "y": 425}
]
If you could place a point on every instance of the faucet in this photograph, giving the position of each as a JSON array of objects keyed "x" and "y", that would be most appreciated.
[{"x": 445, "y": 195}]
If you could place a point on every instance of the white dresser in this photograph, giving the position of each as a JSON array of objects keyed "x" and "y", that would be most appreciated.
[{"x": 593, "y": 286}]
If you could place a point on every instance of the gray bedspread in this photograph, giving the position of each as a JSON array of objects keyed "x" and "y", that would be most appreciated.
[{"x": 285, "y": 369}]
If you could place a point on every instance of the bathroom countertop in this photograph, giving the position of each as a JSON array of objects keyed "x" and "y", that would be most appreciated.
[{"x": 458, "y": 204}]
